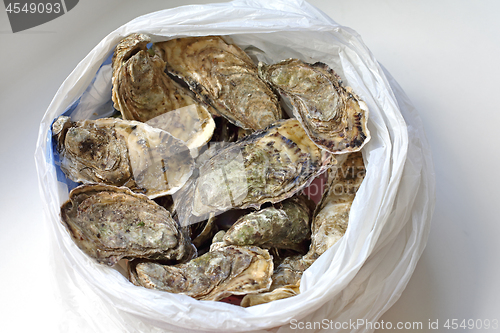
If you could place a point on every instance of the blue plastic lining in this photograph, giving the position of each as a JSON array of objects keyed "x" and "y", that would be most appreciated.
[{"x": 52, "y": 155}]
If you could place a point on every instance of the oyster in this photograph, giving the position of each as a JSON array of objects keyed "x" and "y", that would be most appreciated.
[
  {"x": 333, "y": 116},
  {"x": 109, "y": 223},
  {"x": 119, "y": 152},
  {"x": 265, "y": 166},
  {"x": 329, "y": 225},
  {"x": 223, "y": 76},
  {"x": 213, "y": 276},
  {"x": 289, "y": 272},
  {"x": 92, "y": 153},
  {"x": 276, "y": 294},
  {"x": 142, "y": 91},
  {"x": 286, "y": 225},
  {"x": 126, "y": 49},
  {"x": 332, "y": 214},
  {"x": 286, "y": 282}
]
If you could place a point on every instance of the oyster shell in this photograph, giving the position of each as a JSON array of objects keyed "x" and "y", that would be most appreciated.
[
  {"x": 92, "y": 153},
  {"x": 142, "y": 91},
  {"x": 191, "y": 124},
  {"x": 333, "y": 116},
  {"x": 329, "y": 225},
  {"x": 231, "y": 270},
  {"x": 276, "y": 294},
  {"x": 286, "y": 282},
  {"x": 286, "y": 225},
  {"x": 119, "y": 152},
  {"x": 109, "y": 223},
  {"x": 266, "y": 166},
  {"x": 125, "y": 49},
  {"x": 289, "y": 272},
  {"x": 332, "y": 214},
  {"x": 223, "y": 76}
]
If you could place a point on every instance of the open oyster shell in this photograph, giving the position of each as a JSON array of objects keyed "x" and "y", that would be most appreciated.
[
  {"x": 119, "y": 152},
  {"x": 333, "y": 116},
  {"x": 142, "y": 91},
  {"x": 265, "y": 166},
  {"x": 231, "y": 270},
  {"x": 109, "y": 223},
  {"x": 223, "y": 76},
  {"x": 286, "y": 225},
  {"x": 329, "y": 225}
]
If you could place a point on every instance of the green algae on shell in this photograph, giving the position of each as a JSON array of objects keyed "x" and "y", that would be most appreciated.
[
  {"x": 286, "y": 225},
  {"x": 109, "y": 223}
]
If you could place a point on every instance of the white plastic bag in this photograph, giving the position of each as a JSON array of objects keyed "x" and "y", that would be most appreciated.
[{"x": 359, "y": 278}]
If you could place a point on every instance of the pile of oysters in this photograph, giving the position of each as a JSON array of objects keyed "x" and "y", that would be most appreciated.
[{"x": 200, "y": 184}]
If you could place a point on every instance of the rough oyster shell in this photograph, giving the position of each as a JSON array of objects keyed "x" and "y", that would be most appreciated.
[
  {"x": 142, "y": 91},
  {"x": 119, "y": 152},
  {"x": 126, "y": 49},
  {"x": 215, "y": 275},
  {"x": 92, "y": 153},
  {"x": 276, "y": 294},
  {"x": 286, "y": 282},
  {"x": 289, "y": 272},
  {"x": 223, "y": 76},
  {"x": 332, "y": 213},
  {"x": 329, "y": 225},
  {"x": 333, "y": 116},
  {"x": 286, "y": 225},
  {"x": 109, "y": 223},
  {"x": 266, "y": 166}
]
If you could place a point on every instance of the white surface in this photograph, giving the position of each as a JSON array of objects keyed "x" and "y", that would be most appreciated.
[{"x": 444, "y": 54}]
